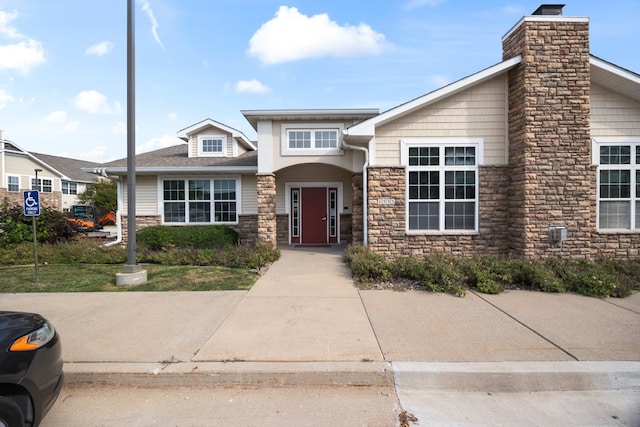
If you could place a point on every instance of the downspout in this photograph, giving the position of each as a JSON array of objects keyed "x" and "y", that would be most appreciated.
[
  {"x": 118, "y": 240},
  {"x": 365, "y": 201}
]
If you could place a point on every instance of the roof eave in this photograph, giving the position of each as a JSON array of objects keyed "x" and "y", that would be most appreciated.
[{"x": 151, "y": 170}]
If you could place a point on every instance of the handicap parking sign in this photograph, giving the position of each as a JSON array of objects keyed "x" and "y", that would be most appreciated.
[{"x": 31, "y": 203}]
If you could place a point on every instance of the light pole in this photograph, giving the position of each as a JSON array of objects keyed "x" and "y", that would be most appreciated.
[{"x": 33, "y": 221}]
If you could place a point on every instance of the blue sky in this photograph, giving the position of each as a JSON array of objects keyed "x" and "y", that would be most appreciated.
[{"x": 63, "y": 63}]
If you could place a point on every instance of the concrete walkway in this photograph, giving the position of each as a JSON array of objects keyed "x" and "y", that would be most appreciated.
[{"x": 304, "y": 323}]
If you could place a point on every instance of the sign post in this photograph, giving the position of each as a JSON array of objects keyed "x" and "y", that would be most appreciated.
[{"x": 32, "y": 209}]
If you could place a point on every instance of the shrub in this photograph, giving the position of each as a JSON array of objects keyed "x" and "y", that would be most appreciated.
[
  {"x": 536, "y": 275},
  {"x": 51, "y": 226},
  {"x": 586, "y": 278},
  {"x": 161, "y": 237},
  {"x": 367, "y": 266},
  {"x": 488, "y": 275}
]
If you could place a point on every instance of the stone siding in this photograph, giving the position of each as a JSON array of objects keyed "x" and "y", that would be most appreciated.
[
  {"x": 51, "y": 200},
  {"x": 387, "y": 222},
  {"x": 247, "y": 228},
  {"x": 552, "y": 180},
  {"x": 267, "y": 221}
]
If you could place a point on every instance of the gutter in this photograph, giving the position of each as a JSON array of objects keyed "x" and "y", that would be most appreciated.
[{"x": 365, "y": 185}]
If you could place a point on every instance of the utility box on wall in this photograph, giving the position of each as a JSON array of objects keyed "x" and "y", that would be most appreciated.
[{"x": 557, "y": 233}]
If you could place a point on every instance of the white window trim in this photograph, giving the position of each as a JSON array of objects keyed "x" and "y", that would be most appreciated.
[
  {"x": 478, "y": 143},
  {"x": 223, "y": 153},
  {"x": 284, "y": 139},
  {"x": 160, "y": 196},
  {"x": 42, "y": 179},
  {"x": 633, "y": 167},
  {"x": 13, "y": 176}
]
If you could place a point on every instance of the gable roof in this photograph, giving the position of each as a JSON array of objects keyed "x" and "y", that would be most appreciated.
[
  {"x": 71, "y": 168},
  {"x": 185, "y": 133},
  {"x": 12, "y": 147},
  {"x": 175, "y": 159},
  {"x": 355, "y": 114},
  {"x": 367, "y": 127},
  {"x": 605, "y": 73}
]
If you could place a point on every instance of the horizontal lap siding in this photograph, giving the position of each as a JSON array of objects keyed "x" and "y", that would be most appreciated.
[
  {"x": 479, "y": 112},
  {"x": 249, "y": 195},
  {"x": 613, "y": 114},
  {"x": 146, "y": 195}
]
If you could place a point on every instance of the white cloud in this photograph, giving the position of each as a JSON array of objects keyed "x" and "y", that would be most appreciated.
[
  {"x": 5, "y": 98},
  {"x": 21, "y": 55},
  {"x": 439, "y": 80},
  {"x": 58, "y": 117},
  {"x": 96, "y": 154},
  {"x": 172, "y": 117},
  {"x": 100, "y": 49},
  {"x": 94, "y": 102},
  {"x": 157, "y": 143},
  {"x": 291, "y": 36},
  {"x": 146, "y": 8},
  {"x": 251, "y": 86}
]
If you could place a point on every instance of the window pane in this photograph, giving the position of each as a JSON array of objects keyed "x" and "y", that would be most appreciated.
[
  {"x": 615, "y": 215},
  {"x": 459, "y": 156},
  {"x": 638, "y": 215},
  {"x": 199, "y": 189},
  {"x": 326, "y": 139},
  {"x": 424, "y": 156},
  {"x": 615, "y": 155},
  {"x": 459, "y": 216},
  {"x": 615, "y": 184},
  {"x": 47, "y": 186},
  {"x": 424, "y": 185},
  {"x": 300, "y": 139},
  {"x": 459, "y": 185},
  {"x": 174, "y": 212},
  {"x": 638, "y": 155},
  {"x": 424, "y": 216},
  {"x": 173, "y": 190},
  {"x": 212, "y": 145},
  {"x": 14, "y": 183},
  {"x": 199, "y": 212},
  {"x": 65, "y": 188},
  {"x": 224, "y": 189}
]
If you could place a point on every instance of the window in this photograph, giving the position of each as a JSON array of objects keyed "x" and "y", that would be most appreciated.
[
  {"x": 212, "y": 145},
  {"x": 619, "y": 186},
  {"x": 442, "y": 185},
  {"x": 300, "y": 139},
  {"x": 44, "y": 185},
  {"x": 69, "y": 187},
  {"x": 191, "y": 201},
  {"x": 318, "y": 139},
  {"x": 13, "y": 183}
]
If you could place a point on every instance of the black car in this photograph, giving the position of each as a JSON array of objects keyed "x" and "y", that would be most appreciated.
[{"x": 30, "y": 368}]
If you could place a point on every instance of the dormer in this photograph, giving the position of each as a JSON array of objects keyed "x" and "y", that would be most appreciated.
[{"x": 209, "y": 138}]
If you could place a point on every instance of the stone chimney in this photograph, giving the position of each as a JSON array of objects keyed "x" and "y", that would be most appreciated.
[{"x": 552, "y": 181}]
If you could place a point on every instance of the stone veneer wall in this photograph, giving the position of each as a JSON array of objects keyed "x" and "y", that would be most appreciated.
[
  {"x": 247, "y": 228},
  {"x": 552, "y": 180},
  {"x": 387, "y": 223},
  {"x": 267, "y": 221},
  {"x": 51, "y": 200},
  {"x": 283, "y": 229},
  {"x": 357, "y": 212},
  {"x": 141, "y": 222}
]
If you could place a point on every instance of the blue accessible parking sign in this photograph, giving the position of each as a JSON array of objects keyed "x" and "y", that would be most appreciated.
[{"x": 31, "y": 203}]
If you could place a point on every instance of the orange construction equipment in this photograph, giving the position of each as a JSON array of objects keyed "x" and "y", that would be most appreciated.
[{"x": 84, "y": 218}]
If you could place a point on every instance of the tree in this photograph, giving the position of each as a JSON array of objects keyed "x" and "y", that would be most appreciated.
[{"x": 101, "y": 194}]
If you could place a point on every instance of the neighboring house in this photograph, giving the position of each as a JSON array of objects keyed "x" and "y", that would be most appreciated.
[
  {"x": 74, "y": 180},
  {"x": 18, "y": 174},
  {"x": 60, "y": 179},
  {"x": 536, "y": 156}
]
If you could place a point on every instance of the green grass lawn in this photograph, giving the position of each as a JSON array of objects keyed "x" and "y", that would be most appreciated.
[{"x": 102, "y": 278}]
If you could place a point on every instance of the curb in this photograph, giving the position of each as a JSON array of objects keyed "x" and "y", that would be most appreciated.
[
  {"x": 229, "y": 374},
  {"x": 518, "y": 376}
]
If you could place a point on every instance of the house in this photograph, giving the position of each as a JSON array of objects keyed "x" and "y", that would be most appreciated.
[
  {"x": 537, "y": 156},
  {"x": 74, "y": 180},
  {"x": 60, "y": 179}
]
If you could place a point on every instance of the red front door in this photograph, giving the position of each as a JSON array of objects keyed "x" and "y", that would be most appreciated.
[{"x": 314, "y": 215}]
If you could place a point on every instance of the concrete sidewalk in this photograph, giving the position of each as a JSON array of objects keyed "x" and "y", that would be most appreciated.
[{"x": 304, "y": 322}]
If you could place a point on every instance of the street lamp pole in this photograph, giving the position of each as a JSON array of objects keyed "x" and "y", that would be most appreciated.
[{"x": 33, "y": 222}]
